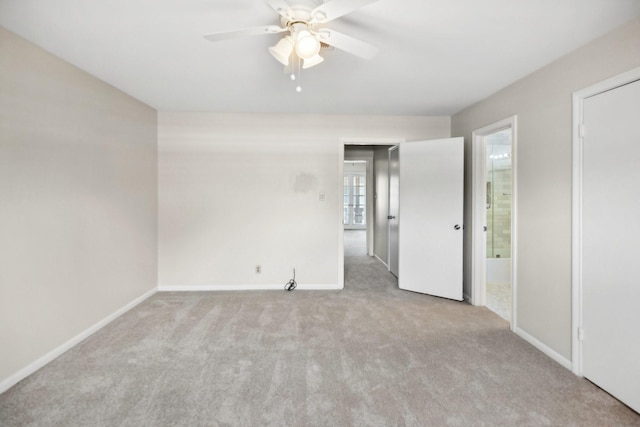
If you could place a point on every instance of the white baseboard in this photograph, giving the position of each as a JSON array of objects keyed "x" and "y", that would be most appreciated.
[
  {"x": 383, "y": 263},
  {"x": 544, "y": 348},
  {"x": 218, "y": 288},
  {"x": 12, "y": 380}
]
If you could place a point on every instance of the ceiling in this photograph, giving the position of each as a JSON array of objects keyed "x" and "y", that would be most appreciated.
[{"x": 436, "y": 56}]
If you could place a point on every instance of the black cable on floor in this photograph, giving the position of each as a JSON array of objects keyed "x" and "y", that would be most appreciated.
[{"x": 291, "y": 284}]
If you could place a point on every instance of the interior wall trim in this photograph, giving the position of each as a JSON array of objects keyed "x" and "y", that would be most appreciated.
[
  {"x": 12, "y": 380},
  {"x": 230, "y": 288},
  {"x": 566, "y": 363},
  {"x": 383, "y": 262}
]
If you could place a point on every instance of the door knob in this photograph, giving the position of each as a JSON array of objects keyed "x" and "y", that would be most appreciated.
[
  {"x": 457, "y": 226},
  {"x": 391, "y": 217}
]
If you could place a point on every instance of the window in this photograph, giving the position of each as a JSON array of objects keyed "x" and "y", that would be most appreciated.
[{"x": 355, "y": 200}]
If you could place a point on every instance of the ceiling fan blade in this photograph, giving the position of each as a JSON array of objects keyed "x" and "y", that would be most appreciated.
[
  {"x": 281, "y": 7},
  {"x": 336, "y": 8},
  {"x": 348, "y": 44},
  {"x": 256, "y": 31}
]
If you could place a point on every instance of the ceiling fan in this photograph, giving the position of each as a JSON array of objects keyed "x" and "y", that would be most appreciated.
[{"x": 304, "y": 22}]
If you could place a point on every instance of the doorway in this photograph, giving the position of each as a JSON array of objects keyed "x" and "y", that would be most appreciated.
[
  {"x": 355, "y": 195},
  {"x": 375, "y": 153},
  {"x": 355, "y": 207},
  {"x": 358, "y": 193},
  {"x": 365, "y": 200},
  {"x": 493, "y": 205},
  {"x": 431, "y": 178},
  {"x": 498, "y": 234}
]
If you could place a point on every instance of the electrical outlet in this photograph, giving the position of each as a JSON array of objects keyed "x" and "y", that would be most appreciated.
[{"x": 258, "y": 269}]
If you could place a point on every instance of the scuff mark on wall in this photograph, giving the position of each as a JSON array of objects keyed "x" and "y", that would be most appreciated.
[{"x": 305, "y": 183}]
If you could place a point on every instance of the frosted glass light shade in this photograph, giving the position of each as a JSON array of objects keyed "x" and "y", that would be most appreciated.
[
  {"x": 282, "y": 50},
  {"x": 307, "y": 46},
  {"x": 310, "y": 62}
]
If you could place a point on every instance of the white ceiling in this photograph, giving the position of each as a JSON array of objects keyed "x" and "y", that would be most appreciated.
[{"x": 436, "y": 56}]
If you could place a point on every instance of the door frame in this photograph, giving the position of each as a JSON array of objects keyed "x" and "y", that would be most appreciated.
[
  {"x": 341, "y": 158},
  {"x": 576, "y": 205},
  {"x": 478, "y": 213}
]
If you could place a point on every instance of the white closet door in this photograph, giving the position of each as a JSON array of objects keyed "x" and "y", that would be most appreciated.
[
  {"x": 611, "y": 242},
  {"x": 431, "y": 214}
]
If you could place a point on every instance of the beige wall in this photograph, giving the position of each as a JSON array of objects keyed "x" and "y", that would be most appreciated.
[
  {"x": 78, "y": 202},
  {"x": 237, "y": 190},
  {"x": 542, "y": 102}
]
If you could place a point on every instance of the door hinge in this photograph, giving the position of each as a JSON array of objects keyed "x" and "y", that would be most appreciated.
[
  {"x": 581, "y": 130},
  {"x": 580, "y": 334}
]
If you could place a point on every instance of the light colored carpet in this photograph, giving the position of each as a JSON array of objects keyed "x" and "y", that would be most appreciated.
[{"x": 370, "y": 355}]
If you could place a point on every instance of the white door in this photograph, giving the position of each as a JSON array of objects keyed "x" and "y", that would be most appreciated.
[
  {"x": 611, "y": 242},
  {"x": 394, "y": 208},
  {"x": 431, "y": 209}
]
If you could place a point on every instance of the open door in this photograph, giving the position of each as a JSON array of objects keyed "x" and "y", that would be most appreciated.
[
  {"x": 431, "y": 214},
  {"x": 394, "y": 208}
]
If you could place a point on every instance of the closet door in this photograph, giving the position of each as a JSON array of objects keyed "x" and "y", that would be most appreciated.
[{"x": 611, "y": 242}]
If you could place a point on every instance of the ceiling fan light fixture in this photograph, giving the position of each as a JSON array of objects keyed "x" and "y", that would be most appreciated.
[
  {"x": 313, "y": 61},
  {"x": 319, "y": 16},
  {"x": 282, "y": 50},
  {"x": 304, "y": 33},
  {"x": 307, "y": 45}
]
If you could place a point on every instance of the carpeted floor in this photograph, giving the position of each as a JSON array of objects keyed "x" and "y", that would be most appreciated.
[{"x": 370, "y": 355}]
